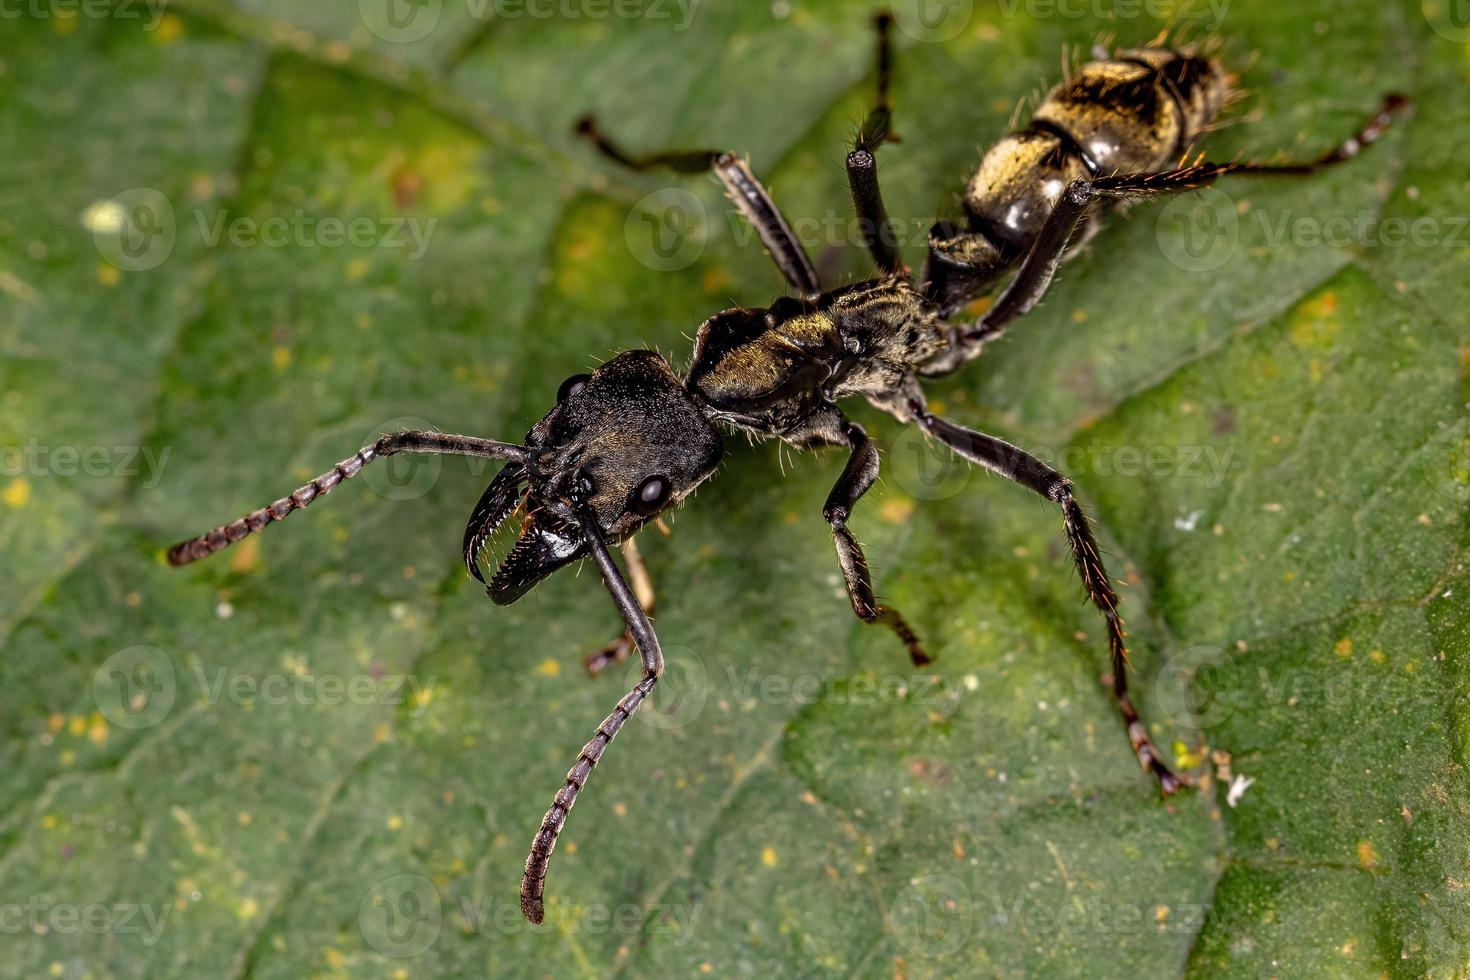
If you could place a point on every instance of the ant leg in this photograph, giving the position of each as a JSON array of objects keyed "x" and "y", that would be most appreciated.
[
  {"x": 1016, "y": 464},
  {"x": 1040, "y": 265},
  {"x": 1393, "y": 106},
  {"x": 617, "y": 651},
  {"x": 857, "y": 477},
  {"x": 875, "y": 230},
  {"x": 533, "y": 882},
  {"x": 749, "y": 195},
  {"x": 391, "y": 445}
]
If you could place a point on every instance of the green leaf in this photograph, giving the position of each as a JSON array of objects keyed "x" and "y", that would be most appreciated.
[{"x": 325, "y": 752}]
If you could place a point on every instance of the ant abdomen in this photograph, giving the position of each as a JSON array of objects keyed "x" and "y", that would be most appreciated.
[{"x": 1138, "y": 112}]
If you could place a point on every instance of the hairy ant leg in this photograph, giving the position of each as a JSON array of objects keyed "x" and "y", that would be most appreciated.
[
  {"x": 861, "y": 471},
  {"x": 538, "y": 862},
  {"x": 1016, "y": 464},
  {"x": 749, "y": 195},
  {"x": 875, "y": 230}
]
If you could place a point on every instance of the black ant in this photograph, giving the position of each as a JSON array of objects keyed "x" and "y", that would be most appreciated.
[{"x": 632, "y": 439}]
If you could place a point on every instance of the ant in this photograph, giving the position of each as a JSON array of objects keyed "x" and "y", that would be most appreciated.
[{"x": 632, "y": 439}]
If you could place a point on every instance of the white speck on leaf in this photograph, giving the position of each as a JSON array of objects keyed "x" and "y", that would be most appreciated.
[{"x": 1237, "y": 789}]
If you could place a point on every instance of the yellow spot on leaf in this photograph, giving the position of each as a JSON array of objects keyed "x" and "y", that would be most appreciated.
[
  {"x": 107, "y": 274},
  {"x": 356, "y": 269},
  {"x": 170, "y": 29},
  {"x": 1186, "y": 757},
  {"x": 1367, "y": 854},
  {"x": 249, "y": 909},
  {"x": 97, "y": 729},
  {"x": 1315, "y": 322},
  {"x": 281, "y": 358},
  {"x": 1344, "y": 647},
  {"x": 716, "y": 280},
  {"x": 64, "y": 22},
  {"x": 77, "y": 726},
  {"x": 422, "y": 697},
  {"x": 395, "y": 822},
  {"x": 245, "y": 557},
  {"x": 334, "y": 958},
  {"x": 549, "y": 668},
  {"x": 48, "y": 821},
  {"x": 897, "y": 510},
  {"x": 244, "y": 818},
  {"x": 769, "y": 858},
  {"x": 18, "y": 492}
]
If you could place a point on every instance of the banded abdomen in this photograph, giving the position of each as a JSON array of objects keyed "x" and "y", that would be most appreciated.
[{"x": 1137, "y": 112}]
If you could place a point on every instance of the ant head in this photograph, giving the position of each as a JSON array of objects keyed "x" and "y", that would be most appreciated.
[
  {"x": 961, "y": 265},
  {"x": 622, "y": 445}
]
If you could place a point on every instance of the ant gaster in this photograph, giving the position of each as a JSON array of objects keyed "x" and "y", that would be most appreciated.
[{"x": 632, "y": 439}]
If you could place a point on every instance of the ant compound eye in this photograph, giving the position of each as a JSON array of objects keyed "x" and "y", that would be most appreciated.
[
  {"x": 651, "y": 494},
  {"x": 571, "y": 386}
]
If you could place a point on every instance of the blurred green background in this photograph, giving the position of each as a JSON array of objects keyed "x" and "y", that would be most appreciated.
[{"x": 238, "y": 240}]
